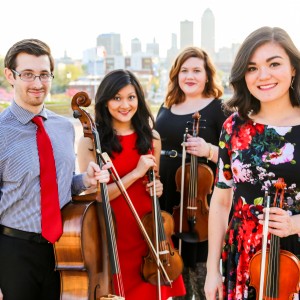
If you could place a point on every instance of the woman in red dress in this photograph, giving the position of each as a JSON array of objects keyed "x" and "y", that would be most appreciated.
[{"x": 124, "y": 123}]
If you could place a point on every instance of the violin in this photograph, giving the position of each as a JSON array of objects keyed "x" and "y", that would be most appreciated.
[
  {"x": 160, "y": 227},
  {"x": 83, "y": 273},
  {"x": 194, "y": 181},
  {"x": 269, "y": 267},
  {"x": 159, "y": 265}
]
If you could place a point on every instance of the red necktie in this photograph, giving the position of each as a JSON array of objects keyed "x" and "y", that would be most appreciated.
[{"x": 50, "y": 210}]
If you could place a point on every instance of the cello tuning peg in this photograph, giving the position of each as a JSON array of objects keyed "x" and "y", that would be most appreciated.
[
  {"x": 202, "y": 120},
  {"x": 76, "y": 114}
]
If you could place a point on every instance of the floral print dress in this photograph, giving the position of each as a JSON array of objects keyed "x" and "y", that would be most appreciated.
[{"x": 252, "y": 157}]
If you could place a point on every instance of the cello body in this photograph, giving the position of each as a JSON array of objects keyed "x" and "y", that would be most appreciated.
[{"x": 81, "y": 253}]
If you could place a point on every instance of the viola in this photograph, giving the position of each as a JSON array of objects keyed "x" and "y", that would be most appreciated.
[
  {"x": 194, "y": 181},
  {"x": 160, "y": 227},
  {"x": 81, "y": 257},
  {"x": 269, "y": 267}
]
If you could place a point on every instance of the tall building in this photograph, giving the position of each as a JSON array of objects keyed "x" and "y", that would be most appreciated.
[
  {"x": 152, "y": 48},
  {"x": 111, "y": 42},
  {"x": 136, "y": 46},
  {"x": 172, "y": 52},
  {"x": 208, "y": 32},
  {"x": 186, "y": 34}
]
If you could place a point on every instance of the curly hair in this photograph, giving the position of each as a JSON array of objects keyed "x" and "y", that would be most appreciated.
[
  {"x": 212, "y": 88},
  {"x": 142, "y": 121},
  {"x": 242, "y": 101}
]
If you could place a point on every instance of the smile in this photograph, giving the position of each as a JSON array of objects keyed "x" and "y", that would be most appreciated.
[{"x": 267, "y": 86}]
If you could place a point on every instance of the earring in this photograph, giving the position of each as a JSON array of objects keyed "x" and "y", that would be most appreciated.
[{"x": 293, "y": 78}]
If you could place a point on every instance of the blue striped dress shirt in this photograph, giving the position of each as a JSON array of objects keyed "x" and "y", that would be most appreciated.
[{"x": 19, "y": 166}]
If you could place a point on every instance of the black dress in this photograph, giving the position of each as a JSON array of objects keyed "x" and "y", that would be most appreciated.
[{"x": 171, "y": 128}]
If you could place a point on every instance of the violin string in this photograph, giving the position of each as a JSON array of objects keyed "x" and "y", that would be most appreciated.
[{"x": 273, "y": 271}]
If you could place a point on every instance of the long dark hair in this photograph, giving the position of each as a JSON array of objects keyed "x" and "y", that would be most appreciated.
[
  {"x": 142, "y": 121},
  {"x": 242, "y": 100}
]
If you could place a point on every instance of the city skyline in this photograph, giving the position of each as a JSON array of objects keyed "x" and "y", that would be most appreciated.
[{"x": 73, "y": 26}]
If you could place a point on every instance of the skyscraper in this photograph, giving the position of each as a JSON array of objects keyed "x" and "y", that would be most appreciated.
[
  {"x": 208, "y": 32},
  {"x": 186, "y": 34},
  {"x": 152, "y": 48},
  {"x": 111, "y": 42},
  {"x": 136, "y": 46},
  {"x": 172, "y": 52}
]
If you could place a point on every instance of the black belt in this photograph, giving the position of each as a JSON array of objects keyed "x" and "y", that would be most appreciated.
[
  {"x": 170, "y": 153},
  {"x": 24, "y": 235}
]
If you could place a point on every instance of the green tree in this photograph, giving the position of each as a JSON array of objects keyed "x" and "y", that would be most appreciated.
[{"x": 63, "y": 76}]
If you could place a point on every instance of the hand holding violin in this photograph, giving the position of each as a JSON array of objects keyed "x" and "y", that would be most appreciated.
[
  {"x": 158, "y": 187},
  {"x": 145, "y": 162},
  {"x": 281, "y": 223},
  {"x": 199, "y": 147}
]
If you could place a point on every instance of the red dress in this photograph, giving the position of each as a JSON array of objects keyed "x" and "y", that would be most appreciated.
[{"x": 130, "y": 242}]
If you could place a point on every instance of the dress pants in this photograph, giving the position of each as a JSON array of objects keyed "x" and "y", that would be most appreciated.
[{"x": 27, "y": 270}]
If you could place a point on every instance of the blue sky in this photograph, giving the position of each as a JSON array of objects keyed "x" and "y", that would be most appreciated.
[{"x": 73, "y": 25}]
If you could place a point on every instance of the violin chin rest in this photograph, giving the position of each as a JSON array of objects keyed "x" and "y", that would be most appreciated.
[{"x": 189, "y": 237}]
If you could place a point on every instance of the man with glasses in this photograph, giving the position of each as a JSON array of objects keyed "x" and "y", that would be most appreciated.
[{"x": 27, "y": 260}]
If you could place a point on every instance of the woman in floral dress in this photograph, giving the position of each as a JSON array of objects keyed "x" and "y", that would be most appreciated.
[{"x": 259, "y": 143}]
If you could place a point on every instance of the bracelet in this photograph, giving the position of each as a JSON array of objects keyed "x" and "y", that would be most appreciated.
[{"x": 211, "y": 151}]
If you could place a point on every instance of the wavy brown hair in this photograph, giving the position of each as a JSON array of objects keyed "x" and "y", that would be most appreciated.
[{"x": 212, "y": 88}]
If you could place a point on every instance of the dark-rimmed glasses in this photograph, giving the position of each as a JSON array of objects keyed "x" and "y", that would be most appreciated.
[{"x": 29, "y": 76}]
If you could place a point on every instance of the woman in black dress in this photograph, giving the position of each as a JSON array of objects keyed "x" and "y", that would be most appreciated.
[{"x": 192, "y": 87}]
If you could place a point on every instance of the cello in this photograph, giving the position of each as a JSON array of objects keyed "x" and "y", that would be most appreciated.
[
  {"x": 269, "y": 267},
  {"x": 81, "y": 253},
  {"x": 194, "y": 181}
]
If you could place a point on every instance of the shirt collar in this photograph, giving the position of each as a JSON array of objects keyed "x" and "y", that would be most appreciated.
[{"x": 24, "y": 116}]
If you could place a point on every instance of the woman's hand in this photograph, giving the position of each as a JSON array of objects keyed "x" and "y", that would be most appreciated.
[
  {"x": 213, "y": 286},
  {"x": 144, "y": 164},
  {"x": 158, "y": 187},
  {"x": 197, "y": 146},
  {"x": 281, "y": 223}
]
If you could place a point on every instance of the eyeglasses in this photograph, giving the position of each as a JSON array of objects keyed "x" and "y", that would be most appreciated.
[{"x": 29, "y": 76}]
